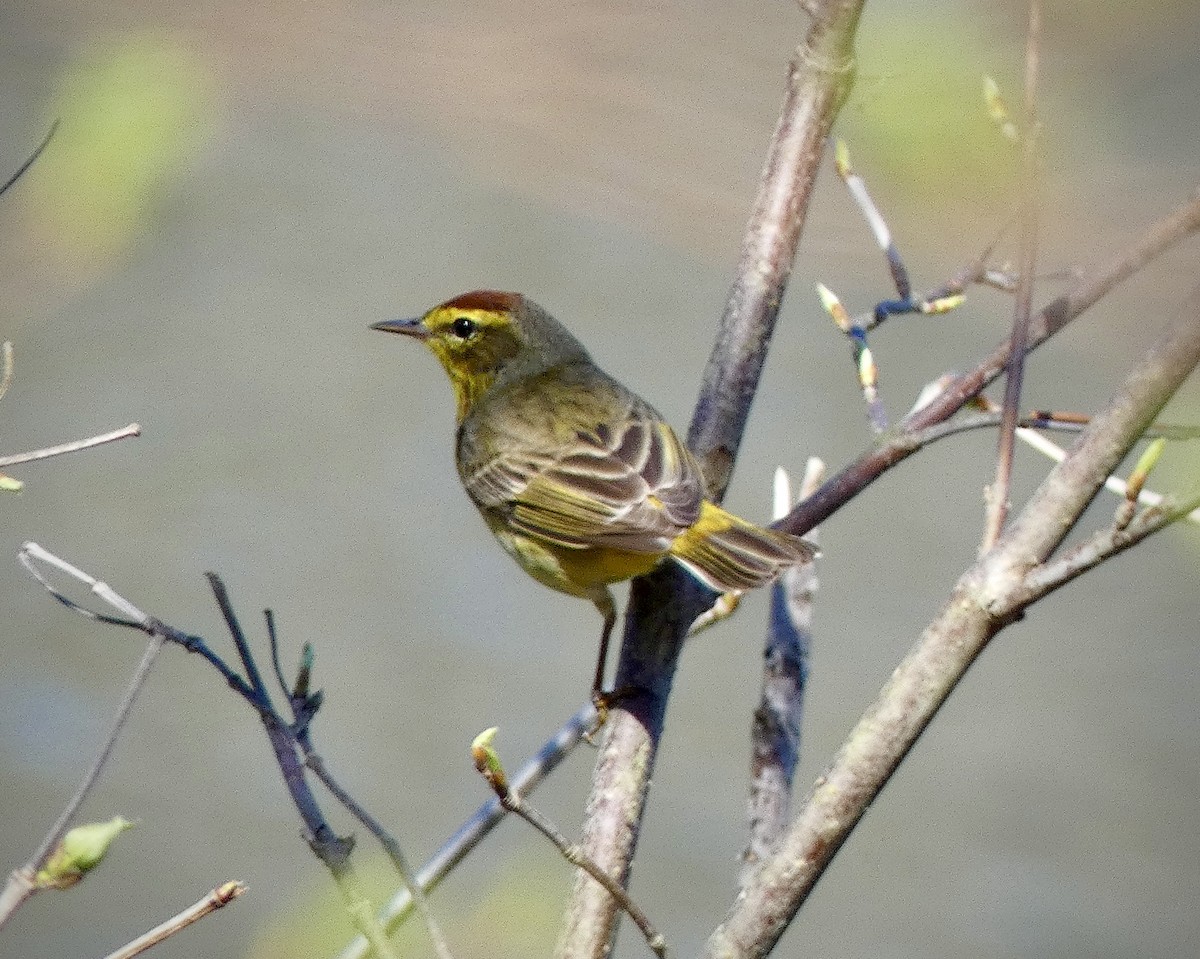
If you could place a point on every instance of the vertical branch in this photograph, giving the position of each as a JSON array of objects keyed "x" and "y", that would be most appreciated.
[
  {"x": 663, "y": 605},
  {"x": 998, "y": 496},
  {"x": 819, "y": 80}
]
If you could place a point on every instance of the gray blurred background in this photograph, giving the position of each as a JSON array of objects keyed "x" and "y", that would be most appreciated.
[{"x": 236, "y": 191}]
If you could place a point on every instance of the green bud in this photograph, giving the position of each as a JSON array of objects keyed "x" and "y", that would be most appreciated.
[
  {"x": 842, "y": 160},
  {"x": 997, "y": 109},
  {"x": 488, "y": 762},
  {"x": 1145, "y": 465},
  {"x": 80, "y": 851},
  {"x": 833, "y": 306},
  {"x": 943, "y": 305}
]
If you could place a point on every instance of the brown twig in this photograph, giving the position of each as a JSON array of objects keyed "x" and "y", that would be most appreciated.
[
  {"x": 663, "y": 605},
  {"x": 1028, "y": 424},
  {"x": 989, "y": 596},
  {"x": 487, "y": 763},
  {"x": 998, "y": 505},
  {"x": 73, "y": 447},
  {"x": 220, "y": 897},
  {"x": 1104, "y": 545}
]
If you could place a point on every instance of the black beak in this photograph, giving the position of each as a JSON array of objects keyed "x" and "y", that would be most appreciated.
[{"x": 413, "y": 328}]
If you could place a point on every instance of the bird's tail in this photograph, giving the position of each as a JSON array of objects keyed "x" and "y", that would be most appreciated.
[{"x": 727, "y": 553}]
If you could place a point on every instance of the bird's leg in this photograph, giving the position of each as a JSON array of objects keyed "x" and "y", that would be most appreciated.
[{"x": 600, "y": 699}]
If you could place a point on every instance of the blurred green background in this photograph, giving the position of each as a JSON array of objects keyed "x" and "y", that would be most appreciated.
[{"x": 237, "y": 190}]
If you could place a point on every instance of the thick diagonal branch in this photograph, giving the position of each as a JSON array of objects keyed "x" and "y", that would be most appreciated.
[{"x": 989, "y": 596}]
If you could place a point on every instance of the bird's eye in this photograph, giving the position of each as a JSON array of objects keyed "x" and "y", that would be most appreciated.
[{"x": 463, "y": 327}]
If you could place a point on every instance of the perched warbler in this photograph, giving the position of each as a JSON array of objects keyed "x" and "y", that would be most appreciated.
[{"x": 580, "y": 480}]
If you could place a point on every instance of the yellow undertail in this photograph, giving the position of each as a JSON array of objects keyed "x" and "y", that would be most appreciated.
[{"x": 727, "y": 553}]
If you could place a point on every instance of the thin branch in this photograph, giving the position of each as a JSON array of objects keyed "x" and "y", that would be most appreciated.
[
  {"x": 399, "y": 861},
  {"x": 73, "y": 447},
  {"x": 1070, "y": 422},
  {"x": 875, "y": 220},
  {"x": 7, "y": 374},
  {"x": 1028, "y": 433},
  {"x": 974, "y": 272},
  {"x": 140, "y": 675},
  {"x": 32, "y": 158},
  {"x": 998, "y": 505},
  {"x": 472, "y": 832},
  {"x": 487, "y": 763},
  {"x": 261, "y": 698},
  {"x": 131, "y": 617},
  {"x": 333, "y": 850},
  {"x": 663, "y": 605},
  {"x": 574, "y": 855},
  {"x": 222, "y": 896},
  {"x": 1038, "y": 420},
  {"x": 1104, "y": 545}
]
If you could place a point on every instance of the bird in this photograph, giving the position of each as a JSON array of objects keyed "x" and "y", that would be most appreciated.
[{"x": 580, "y": 480}]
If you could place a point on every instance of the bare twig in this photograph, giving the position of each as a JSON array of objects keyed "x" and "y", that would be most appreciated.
[
  {"x": 222, "y": 896},
  {"x": 133, "y": 429},
  {"x": 1106, "y": 544},
  {"x": 1028, "y": 427},
  {"x": 487, "y": 762},
  {"x": 997, "y": 512},
  {"x": 32, "y": 158},
  {"x": 6, "y": 376},
  {"x": 391, "y": 847},
  {"x": 1028, "y": 433},
  {"x": 775, "y": 732},
  {"x": 664, "y": 604},
  {"x": 333, "y": 850},
  {"x": 875, "y": 220}
]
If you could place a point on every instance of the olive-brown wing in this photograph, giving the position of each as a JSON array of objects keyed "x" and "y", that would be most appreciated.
[{"x": 625, "y": 483}]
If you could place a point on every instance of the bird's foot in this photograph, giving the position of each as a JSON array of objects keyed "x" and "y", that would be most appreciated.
[{"x": 604, "y": 701}]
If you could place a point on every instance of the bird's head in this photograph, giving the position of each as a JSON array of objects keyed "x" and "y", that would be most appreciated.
[{"x": 480, "y": 336}]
